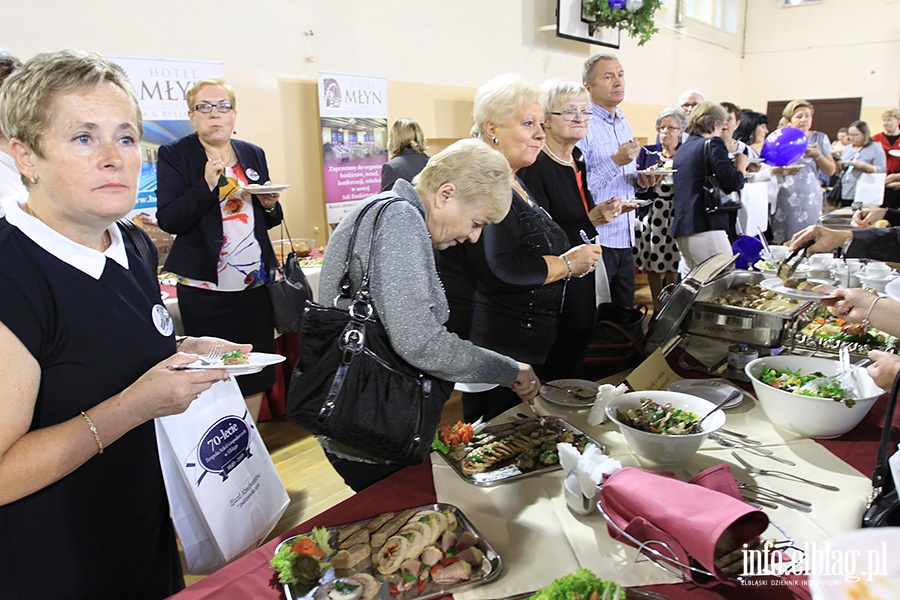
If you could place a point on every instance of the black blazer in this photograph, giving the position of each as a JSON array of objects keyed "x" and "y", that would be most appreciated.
[
  {"x": 187, "y": 208},
  {"x": 690, "y": 213},
  {"x": 405, "y": 165}
]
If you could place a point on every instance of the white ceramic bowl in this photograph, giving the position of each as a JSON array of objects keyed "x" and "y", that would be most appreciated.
[
  {"x": 875, "y": 283},
  {"x": 779, "y": 253},
  {"x": 807, "y": 415},
  {"x": 665, "y": 449}
]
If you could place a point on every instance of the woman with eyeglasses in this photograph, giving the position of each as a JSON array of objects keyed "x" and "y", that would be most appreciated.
[
  {"x": 222, "y": 253},
  {"x": 657, "y": 252},
  {"x": 558, "y": 182},
  {"x": 863, "y": 155}
]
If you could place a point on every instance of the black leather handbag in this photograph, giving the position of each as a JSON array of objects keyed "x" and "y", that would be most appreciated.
[
  {"x": 288, "y": 289},
  {"x": 883, "y": 508},
  {"x": 716, "y": 200},
  {"x": 351, "y": 387}
]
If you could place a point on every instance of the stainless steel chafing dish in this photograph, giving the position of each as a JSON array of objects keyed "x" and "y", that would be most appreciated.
[
  {"x": 761, "y": 328},
  {"x": 688, "y": 310}
]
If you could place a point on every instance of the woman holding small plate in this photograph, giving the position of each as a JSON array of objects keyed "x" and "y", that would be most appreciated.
[
  {"x": 657, "y": 252},
  {"x": 209, "y": 196}
]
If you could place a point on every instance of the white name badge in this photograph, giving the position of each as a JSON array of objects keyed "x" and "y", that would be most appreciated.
[{"x": 162, "y": 320}]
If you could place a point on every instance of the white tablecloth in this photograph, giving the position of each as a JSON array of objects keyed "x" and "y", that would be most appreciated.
[{"x": 538, "y": 537}]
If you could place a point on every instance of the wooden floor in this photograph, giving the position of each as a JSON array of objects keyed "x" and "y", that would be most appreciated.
[{"x": 311, "y": 483}]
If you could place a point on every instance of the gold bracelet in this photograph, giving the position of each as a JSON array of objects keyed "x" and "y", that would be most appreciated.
[{"x": 94, "y": 431}]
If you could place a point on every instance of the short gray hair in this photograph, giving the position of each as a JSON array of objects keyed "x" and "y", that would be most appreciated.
[
  {"x": 589, "y": 65},
  {"x": 687, "y": 93},
  {"x": 556, "y": 91},
  {"x": 481, "y": 176},
  {"x": 498, "y": 99},
  {"x": 679, "y": 115},
  {"x": 27, "y": 96}
]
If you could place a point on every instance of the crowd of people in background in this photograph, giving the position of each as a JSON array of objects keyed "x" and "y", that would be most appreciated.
[{"x": 489, "y": 270}]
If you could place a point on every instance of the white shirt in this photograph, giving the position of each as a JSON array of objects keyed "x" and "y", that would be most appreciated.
[{"x": 87, "y": 260}]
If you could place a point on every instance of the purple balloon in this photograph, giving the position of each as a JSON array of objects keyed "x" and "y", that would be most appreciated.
[
  {"x": 783, "y": 146},
  {"x": 617, "y": 4},
  {"x": 748, "y": 250}
]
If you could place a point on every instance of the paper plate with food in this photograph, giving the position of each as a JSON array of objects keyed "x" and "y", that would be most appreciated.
[
  {"x": 418, "y": 553},
  {"x": 799, "y": 289},
  {"x": 238, "y": 363},
  {"x": 255, "y": 188}
]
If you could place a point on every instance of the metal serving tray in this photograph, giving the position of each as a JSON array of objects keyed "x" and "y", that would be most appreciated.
[
  {"x": 767, "y": 329},
  {"x": 490, "y": 568},
  {"x": 508, "y": 473}
]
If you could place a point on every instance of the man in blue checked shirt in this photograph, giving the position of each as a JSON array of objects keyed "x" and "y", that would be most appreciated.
[{"x": 609, "y": 154}]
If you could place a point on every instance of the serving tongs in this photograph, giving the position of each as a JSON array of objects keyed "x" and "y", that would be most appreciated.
[{"x": 787, "y": 268}]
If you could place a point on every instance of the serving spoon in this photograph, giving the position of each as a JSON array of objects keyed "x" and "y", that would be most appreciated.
[{"x": 723, "y": 402}]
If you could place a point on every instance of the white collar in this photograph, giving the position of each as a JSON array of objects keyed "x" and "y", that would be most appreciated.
[{"x": 87, "y": 260}]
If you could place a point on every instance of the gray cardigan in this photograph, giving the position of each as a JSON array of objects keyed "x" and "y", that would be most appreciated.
[
  {"x": 407, "y": 292},
  {"x": 872, "y": 154}
]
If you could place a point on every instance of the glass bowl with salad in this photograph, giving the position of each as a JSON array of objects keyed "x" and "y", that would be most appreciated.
[
  {"x": 832, "y": 411},
  {"x": 661, "y": 426}
]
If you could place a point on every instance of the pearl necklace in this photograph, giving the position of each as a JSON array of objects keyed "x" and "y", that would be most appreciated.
[{"x": 569, "y": 162}]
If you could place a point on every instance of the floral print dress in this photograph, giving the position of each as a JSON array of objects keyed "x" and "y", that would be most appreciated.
[{"x": 799, "y": 203}]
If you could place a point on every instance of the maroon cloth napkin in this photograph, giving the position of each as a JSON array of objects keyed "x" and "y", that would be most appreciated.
[{"x": 656, "y": 508}]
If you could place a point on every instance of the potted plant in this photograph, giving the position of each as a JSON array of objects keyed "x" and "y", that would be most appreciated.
[{"x": 634, "y": 17}]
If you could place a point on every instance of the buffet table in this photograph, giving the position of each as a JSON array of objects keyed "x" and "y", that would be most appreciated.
[{"x": 517, "y": 531}]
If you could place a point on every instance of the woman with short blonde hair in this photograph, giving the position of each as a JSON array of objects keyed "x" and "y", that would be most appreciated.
[{"x": 889, "y": 139}]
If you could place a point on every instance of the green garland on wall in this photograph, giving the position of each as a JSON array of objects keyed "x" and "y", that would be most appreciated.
[{"x": 636, "y": 23}]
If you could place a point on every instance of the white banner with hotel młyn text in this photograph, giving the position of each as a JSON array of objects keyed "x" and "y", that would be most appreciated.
[
  {"x": 353, "y": 112},
  {"x": 160, "y": 85}
]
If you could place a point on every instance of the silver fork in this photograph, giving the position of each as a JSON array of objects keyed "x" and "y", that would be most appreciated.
[
  {"x": 782, "y": 474},
  {"x": 213, "y": 356},
  {"x": 753, "y": 449}
]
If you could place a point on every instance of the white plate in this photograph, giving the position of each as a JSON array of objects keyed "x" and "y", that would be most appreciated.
[
  {"x": 867, "y": 554},
  {"x": 657, "y": 171},
  {"x": 258, "y": 360},
  {"x": 709, "y": 389},
  {"x": 582, "y": 387},
  {"x": 266, "y": 189},
  {"x": 637, "y": 203},
  {"x": 893, "y": 290},
  {"x": 776, "y": 285},
  {"x": 894, "y": 152}
]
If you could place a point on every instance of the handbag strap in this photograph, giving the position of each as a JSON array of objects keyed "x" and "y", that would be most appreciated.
[
  {"x": 882, "y": 468},
  {"x": 706, "y": 145},
  {"x": 362, "y": 307}
]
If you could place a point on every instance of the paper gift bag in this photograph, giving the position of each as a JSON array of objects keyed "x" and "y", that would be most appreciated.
[
  {"x": 870, "y": 189},
  {"x": 754, "y": 214},
  {"x": 224, "y": 492}
]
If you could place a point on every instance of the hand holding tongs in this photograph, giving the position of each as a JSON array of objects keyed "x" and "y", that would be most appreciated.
[{"x": 786, "y": 268}]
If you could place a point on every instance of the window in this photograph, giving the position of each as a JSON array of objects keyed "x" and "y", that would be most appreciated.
[{"x": 722, "y": 14}]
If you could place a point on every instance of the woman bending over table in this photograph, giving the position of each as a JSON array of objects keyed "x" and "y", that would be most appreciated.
[
  {"x": 461, "y": 190},
  {"x": 222, "y": 254},
  {"x": 86, "y": 347}
]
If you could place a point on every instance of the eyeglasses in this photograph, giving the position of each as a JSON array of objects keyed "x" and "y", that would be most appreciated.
[
  {"x": 687, "y": 105},
  {"x": 221, "y": 107},
  {"x": 663, "y": 128},
  {"x": 570, "y": 114}
]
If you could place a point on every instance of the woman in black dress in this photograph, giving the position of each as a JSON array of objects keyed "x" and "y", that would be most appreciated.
[
  {"x": 86, "y": 346},
  {"x": 558, "y": 181},
  {"x": 512, "y": 281}
]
